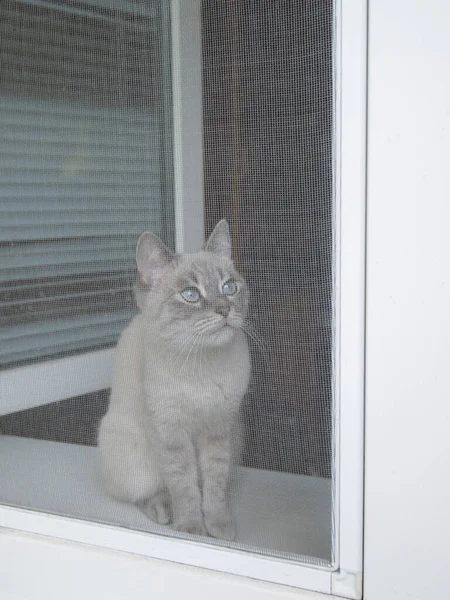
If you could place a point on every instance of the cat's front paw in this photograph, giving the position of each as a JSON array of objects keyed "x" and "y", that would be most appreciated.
[
  {"x": 222, "y": 528},
  {"x": 158, "y": 508},
  {"x": 194, "y": 526}
]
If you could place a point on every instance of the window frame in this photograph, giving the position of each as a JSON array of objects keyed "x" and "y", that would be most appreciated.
[{"x": 345, "y": 577}]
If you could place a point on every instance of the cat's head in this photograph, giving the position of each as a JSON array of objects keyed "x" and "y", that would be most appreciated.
[{"x": 197, "y": 300}]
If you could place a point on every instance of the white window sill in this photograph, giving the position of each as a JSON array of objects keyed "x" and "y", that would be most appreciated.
[
  {"x": 277, "y": 512},
  {"x": 58, "y": 569}
]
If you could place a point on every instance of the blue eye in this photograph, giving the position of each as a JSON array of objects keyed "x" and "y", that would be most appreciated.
[
  {"x": 191, "y": 294},
  {"x": 229, "y": 288}
]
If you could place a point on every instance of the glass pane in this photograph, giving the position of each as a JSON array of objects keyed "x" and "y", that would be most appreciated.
[
  {"x": 85, "y": 163},
  {"x": 172, "y": 464}
]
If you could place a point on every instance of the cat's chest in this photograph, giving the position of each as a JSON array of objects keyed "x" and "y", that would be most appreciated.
[
  {"x": 222, "y": 369},
  {"x": 206, "y": 400},
  {"x": 193, "y": 404},
  {"x": 200, "y": 391},
  {"x": 194, "y": 389}
]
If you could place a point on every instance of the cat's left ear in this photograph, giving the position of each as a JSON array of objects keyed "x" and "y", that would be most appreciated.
[
  {"x": 219, "y": 242},
  {"x": 152, "y": 257}
]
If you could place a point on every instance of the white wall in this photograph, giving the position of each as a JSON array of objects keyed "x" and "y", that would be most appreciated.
[
  {"x": 408, "y": 302},
  {"x": 38, "y": 568}
]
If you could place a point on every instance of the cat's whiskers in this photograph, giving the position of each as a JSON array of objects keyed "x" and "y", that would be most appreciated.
[
  {"x": 192, "y": 349},
  {"x": 208, "y": 323},
  {"x": 187, "y": 341},
  {"x": 249, "y": 330},
  {"x": 199, "y": 356},
  {"x": 183, "y": 344},
  {"x": 197, "y": 351},
  {"x": 190, "y": 343}
]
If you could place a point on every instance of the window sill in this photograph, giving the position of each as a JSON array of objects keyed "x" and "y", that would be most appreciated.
[
  {"x": 293, "y": 512},
  {"x": 58, "y": 569},
  {"x": 54, "y": 479}
]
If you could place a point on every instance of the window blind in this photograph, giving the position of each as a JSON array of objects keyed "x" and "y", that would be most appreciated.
[{"x": 85, "y": 168}]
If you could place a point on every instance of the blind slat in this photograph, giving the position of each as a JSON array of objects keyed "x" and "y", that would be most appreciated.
[
  {"x": 74, "y": 324},
  {"x": 135, "y": 161},
  {"x": 80, "y": 295},
  {"x": 44, "y": 113},
  {"x": 57, "y": 231},
  {"x": 62, "y": 203},
  {"x": 49, "y": 218}
]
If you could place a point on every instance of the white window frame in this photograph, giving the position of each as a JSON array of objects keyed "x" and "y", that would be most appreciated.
[
  {"x": 407, "y": 483},
  {"x": 345, "y": 578}
]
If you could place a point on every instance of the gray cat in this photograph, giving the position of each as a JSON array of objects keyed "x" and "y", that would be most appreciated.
[{"x": 182, "y": 368}]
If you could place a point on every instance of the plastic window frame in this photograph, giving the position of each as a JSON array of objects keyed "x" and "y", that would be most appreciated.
[{"x": 345, "y": 577}]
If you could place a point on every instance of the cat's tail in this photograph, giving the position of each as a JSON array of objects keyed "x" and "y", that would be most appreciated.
[{"x": 129, "y": 471}]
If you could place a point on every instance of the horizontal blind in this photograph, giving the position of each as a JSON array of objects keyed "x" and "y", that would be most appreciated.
[{"x": 84, "y": 168}]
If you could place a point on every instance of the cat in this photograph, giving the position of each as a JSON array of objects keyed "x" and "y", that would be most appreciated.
[{"x": 182, "y": 368}]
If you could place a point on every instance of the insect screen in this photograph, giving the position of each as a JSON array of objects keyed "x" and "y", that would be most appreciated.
[{"x": 86, "y": 132}]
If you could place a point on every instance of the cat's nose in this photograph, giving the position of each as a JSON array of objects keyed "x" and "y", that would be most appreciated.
[{"x": 223, "y": 309}]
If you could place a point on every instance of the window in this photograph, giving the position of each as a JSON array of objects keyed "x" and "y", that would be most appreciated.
[
  {"x": 86, "y": 164},
  {"x": 167, "y": 118}
]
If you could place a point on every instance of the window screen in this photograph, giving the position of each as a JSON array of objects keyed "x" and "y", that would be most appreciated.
[
  {"x": 99, "y": 151},
  {"x": 267, "y": 80}
]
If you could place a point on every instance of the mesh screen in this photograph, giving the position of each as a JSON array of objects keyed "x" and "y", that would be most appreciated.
[
  {"x": 267, "y": 80},
  {"x": 104, "y": 67}
]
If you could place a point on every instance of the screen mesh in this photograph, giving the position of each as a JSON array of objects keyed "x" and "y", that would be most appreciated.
[
  {"x": 87, "y": 138},
  {"x": 267, "y": 81}
]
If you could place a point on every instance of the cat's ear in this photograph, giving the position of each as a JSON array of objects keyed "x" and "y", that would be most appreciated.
[
  {"x": 152, "y": 257},
  {"x": 219, "y": 242}
]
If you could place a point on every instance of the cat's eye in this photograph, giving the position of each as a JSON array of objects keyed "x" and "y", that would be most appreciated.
[
  {"x": 191, "y": 294},
  {"x": 229, "y": 288}
]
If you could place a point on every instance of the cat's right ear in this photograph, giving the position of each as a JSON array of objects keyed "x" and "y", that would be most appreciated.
[
  {"x": 219, "y": 242},
  {"x": 152, "y": 257}
]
